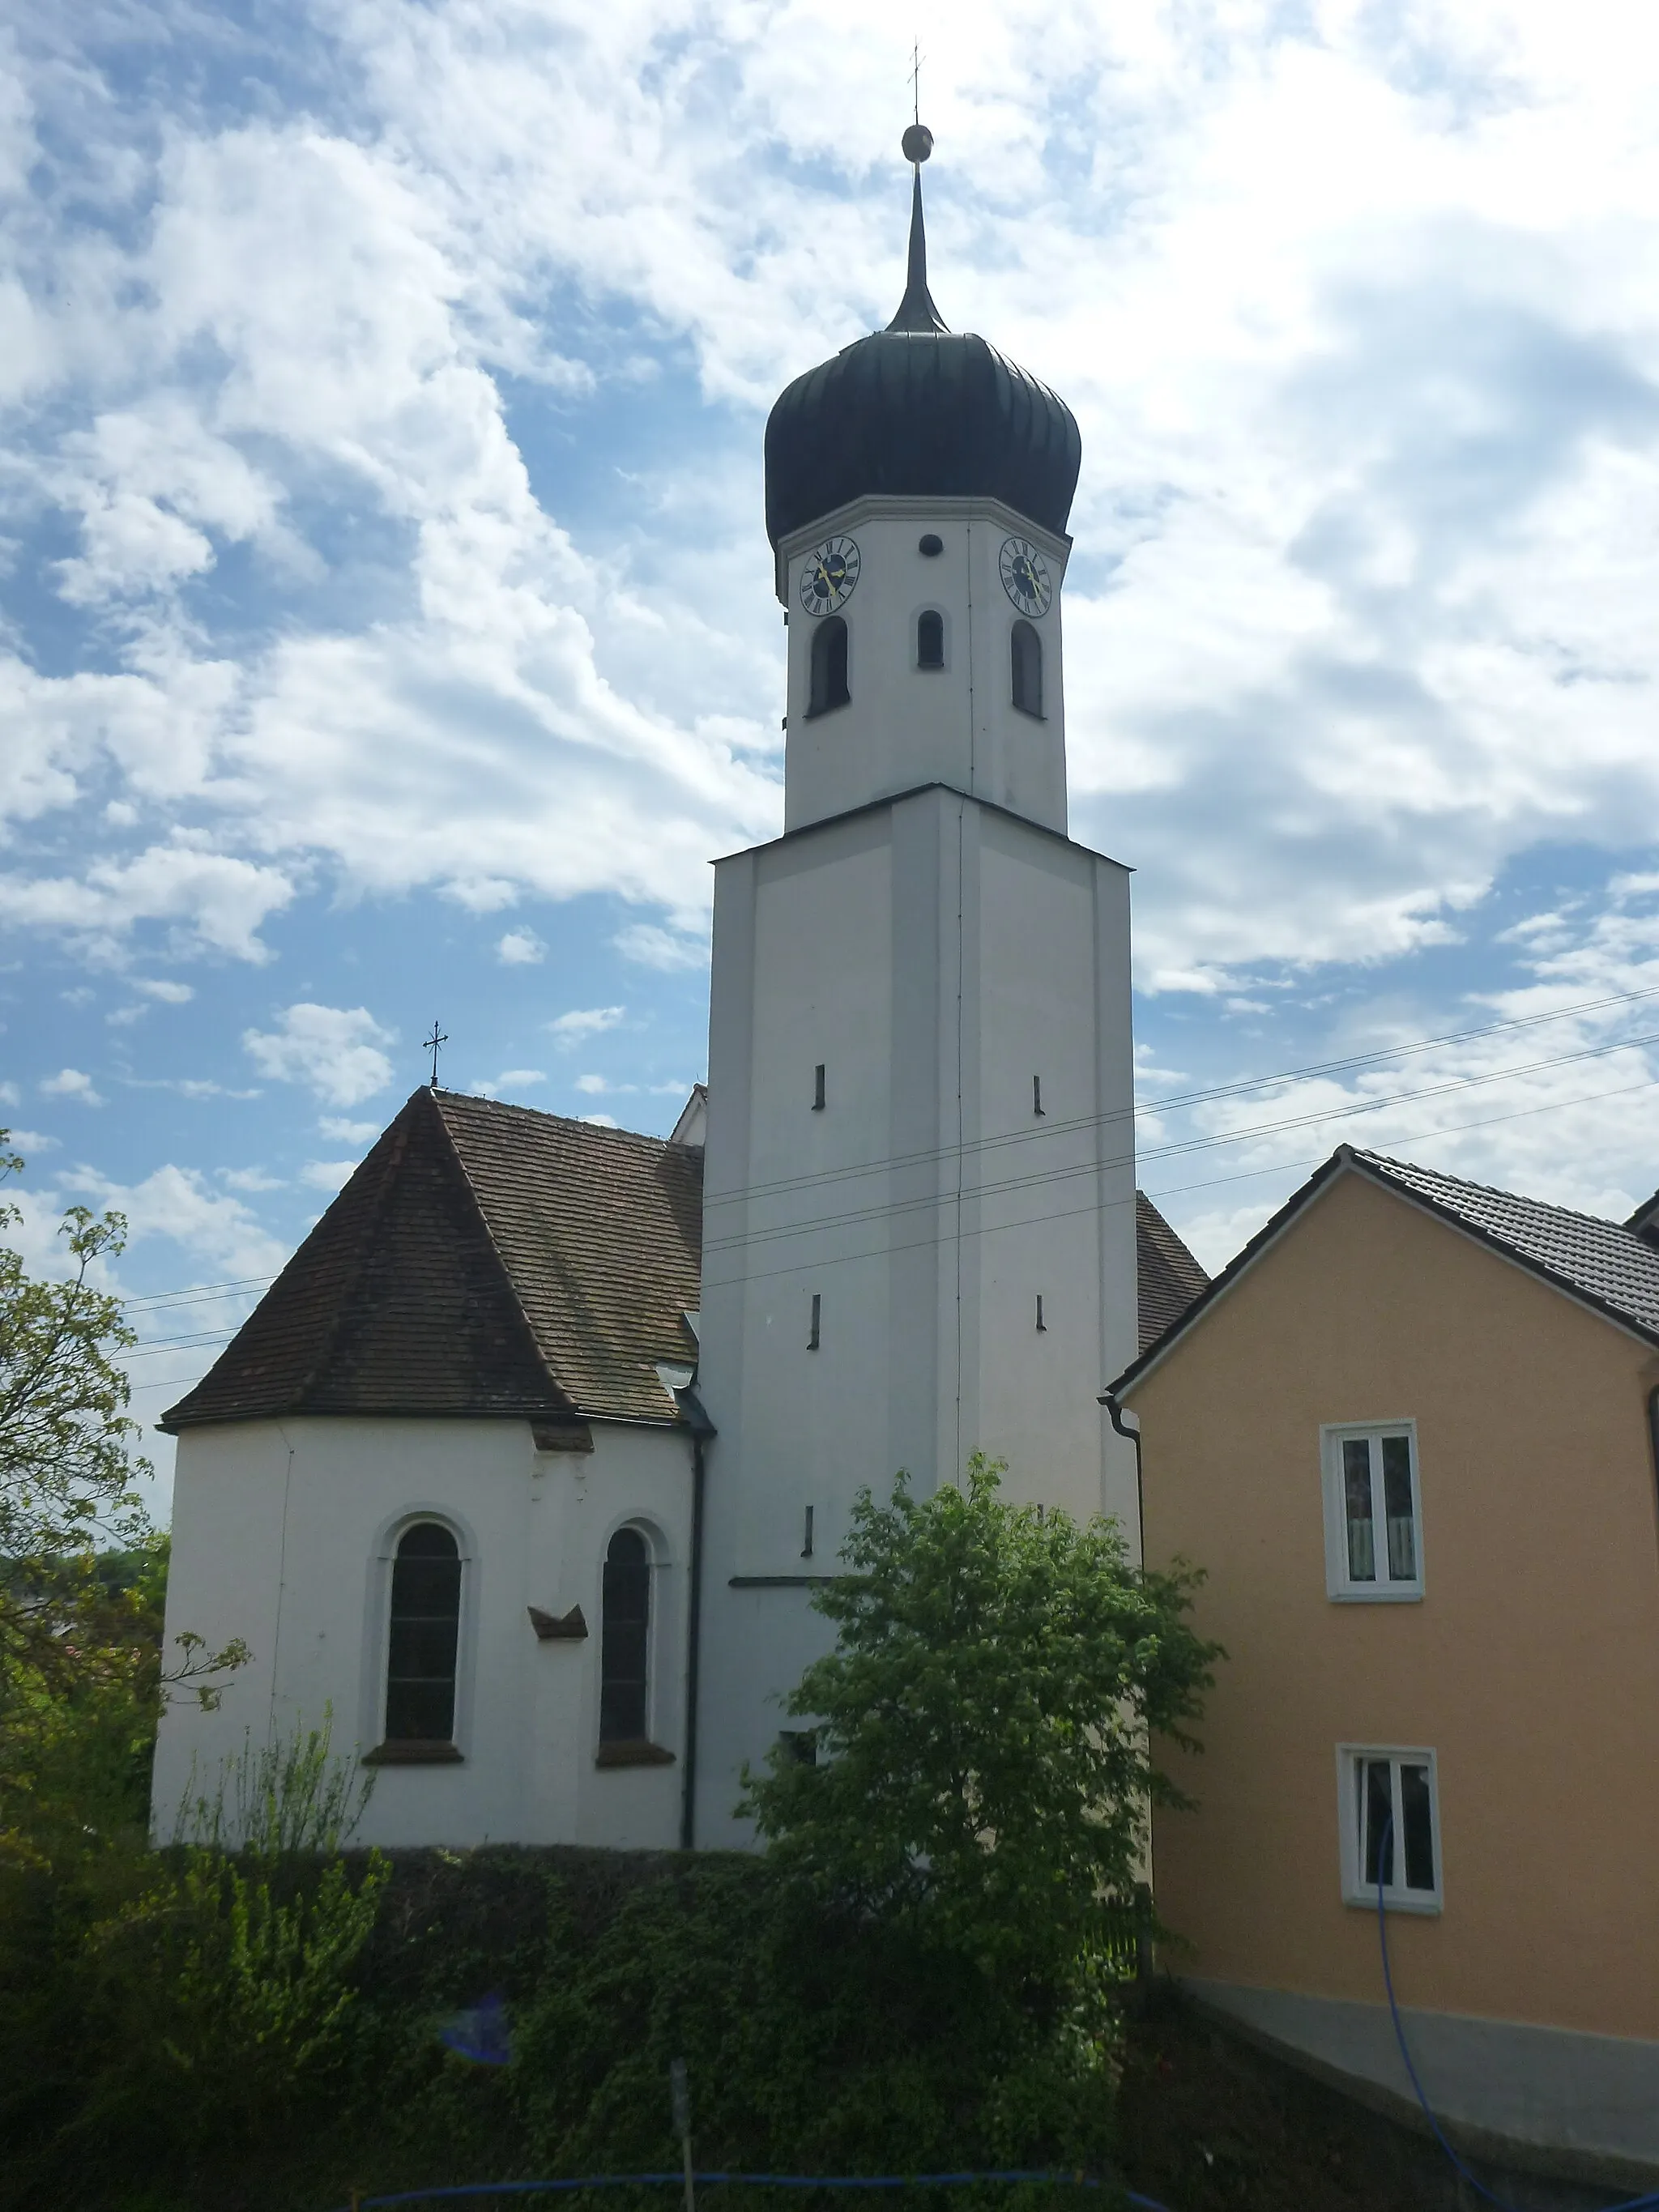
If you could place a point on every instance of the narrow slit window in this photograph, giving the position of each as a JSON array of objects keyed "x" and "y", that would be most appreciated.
[
  {"x": 1042, "y": 1324},
  {"x": 799, "y": 1746},
  {"x": 812, "y": 1332},
  {"x": 624, "y": 1643},
  {"x": 1373, "y": 1515},
  {"x": 930, "y": 640},
  {"x": 818, "y": 1088},
  {"x": 424, "y": 1637},
  {"x": 807, "y": 1535},
  {"x": 828, "y": 668},
  {"x": 1025, "y": 657},
  {"x": 1036, "y": 1096}
]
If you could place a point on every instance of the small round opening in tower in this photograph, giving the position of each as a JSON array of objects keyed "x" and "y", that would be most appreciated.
[{"x": 930, "y": 545}]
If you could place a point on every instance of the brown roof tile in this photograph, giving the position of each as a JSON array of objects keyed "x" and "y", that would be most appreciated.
[
  {"x": 483, "y": 1259},
  {"x": 1170, "y": 1278}
]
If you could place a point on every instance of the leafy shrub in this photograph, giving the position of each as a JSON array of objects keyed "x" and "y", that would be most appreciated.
[{"x": 817, "y": 2041}]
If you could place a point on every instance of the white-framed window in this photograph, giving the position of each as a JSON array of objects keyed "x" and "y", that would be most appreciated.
[
  {"x": 1388, "y": 1805},
  {"x": 1373, "y": 1511}
]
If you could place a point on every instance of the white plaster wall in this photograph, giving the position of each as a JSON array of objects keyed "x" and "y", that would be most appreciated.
[
  {"x": 284, "y": 1533},
  {"x": 906, "y": 726},
  {"x": 933, "y": 955}
]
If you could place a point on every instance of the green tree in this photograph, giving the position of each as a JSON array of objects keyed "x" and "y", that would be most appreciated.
[
  {"x": 82, "y": 1573},
  {"x": 983, "y": 1727}
]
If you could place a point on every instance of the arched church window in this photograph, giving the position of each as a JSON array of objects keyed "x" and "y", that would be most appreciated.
[
  {"x": 829, "y": 682},
  {"x": 426, "y": 1620},
  {"x": 625, "y": 1639},
  {"x": 1025, "y": 654},
  {"x": 930, "y": 640}
]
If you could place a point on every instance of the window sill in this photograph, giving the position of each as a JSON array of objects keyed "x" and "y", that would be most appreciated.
[
  {"x": 413, "y": 1752},
  {"x": 817, "y": 714},
  {"x": 639, "y": 1753},
  {"x": 1405, "y": 1900},
  {"x": 1402, "y": 1594},
  {"x": 1031, "y": 713}
]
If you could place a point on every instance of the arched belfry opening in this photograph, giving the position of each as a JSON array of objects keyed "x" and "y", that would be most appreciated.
[
  {"x": 930, "y": 639},
  {"x": 829, "y": 688},
  {"x": 1025, "y": 668}
]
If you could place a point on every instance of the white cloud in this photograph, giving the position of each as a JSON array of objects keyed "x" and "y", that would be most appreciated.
[
  {"x": 164, "y": 987},
  {"x": 251, "y": 1180},
  {"x": 9, "y": 1094},
  {"x": 28, "y": 1142},
  {"x": 593, "y": 1084},
  {"x": 660, "y": 948},
  {"x": 71, "y": 1083},
  {"x": 599, "y": 1121},
  {"x": 511, "y": 1079},
  {"x": 336, "y": 1051},
  {"x": 327, "y": 1175},
  {"x": 176, "y": 1204},
  {"x": 582, "y": 1023},
  {"x": 520, "y": 948},
  {"x": 344, "y": 1132}
]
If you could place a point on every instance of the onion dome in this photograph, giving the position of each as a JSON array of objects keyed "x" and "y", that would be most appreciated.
[{"x": 922, "y": 411}]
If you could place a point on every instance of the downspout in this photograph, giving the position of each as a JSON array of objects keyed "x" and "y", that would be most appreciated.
[
  {"x": 1106, "y": 1399},
  {"x": 1653, "y": 1428},
  {"x": 1144, "y": 1958},
  {"x": 702, "y": 1429}
]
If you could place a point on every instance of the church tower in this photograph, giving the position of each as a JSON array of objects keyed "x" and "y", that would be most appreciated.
[{"x": 919, "y": 1212}]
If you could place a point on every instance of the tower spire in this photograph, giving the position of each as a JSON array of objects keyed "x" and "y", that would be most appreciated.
[{"x": 916, "y": 311}]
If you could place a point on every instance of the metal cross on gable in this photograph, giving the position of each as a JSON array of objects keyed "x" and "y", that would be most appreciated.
[{"x": 431, "y": 1044}]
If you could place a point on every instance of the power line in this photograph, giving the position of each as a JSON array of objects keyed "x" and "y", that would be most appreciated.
[
  {"x": 1105, "y": 1206},
  {"x": 151, "y": 1345},
  {"x": 1348, "y": 1111},
  {"x": 194, "y": 1290},
  {"x": 1182, "y": 1100},
  {"x": 1210, "y": 1183}
]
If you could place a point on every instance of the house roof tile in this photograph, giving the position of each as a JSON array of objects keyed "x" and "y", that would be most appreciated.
[{"x": 1606, "y": 1265}]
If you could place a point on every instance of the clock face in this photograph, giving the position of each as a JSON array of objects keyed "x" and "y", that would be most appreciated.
[
  {"x": 827, "y": 581},
  {"x": 1025, "y": 577}
]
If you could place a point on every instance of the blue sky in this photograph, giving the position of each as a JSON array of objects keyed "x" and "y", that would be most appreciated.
[{"x": 386, "y": 625}]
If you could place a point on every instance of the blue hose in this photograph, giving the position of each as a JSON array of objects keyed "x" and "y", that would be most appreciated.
[
  {"x": 744, "y": 2180},
  {"x": 1649, "y": 2204}
]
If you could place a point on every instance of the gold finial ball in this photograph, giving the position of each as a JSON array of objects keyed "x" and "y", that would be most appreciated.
[{"x": 917, "y": 142}]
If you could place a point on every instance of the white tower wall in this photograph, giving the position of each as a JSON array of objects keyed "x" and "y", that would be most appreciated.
[
  {"x": 905, "y": 725},
  {"x": 935, "y": 954}
]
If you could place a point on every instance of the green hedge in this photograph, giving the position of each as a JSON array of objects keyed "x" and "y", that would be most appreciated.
[{"x": 184, "y": 2031}]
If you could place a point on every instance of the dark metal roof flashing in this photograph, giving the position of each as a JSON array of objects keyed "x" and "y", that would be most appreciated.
[
  {"x": 918, "y": 410},
  {"x": 916, "y": 311}
]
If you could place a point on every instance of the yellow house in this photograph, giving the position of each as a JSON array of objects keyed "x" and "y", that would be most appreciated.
[{"x": 1411, "y": 1434}]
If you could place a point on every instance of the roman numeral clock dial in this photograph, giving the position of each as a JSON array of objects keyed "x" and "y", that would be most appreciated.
[
  {"x": 1025, "y": 578},
  {"x": 828, "y": 580}
]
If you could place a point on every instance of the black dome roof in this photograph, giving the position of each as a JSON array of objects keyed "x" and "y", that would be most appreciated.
[{"x": 919, "y": 409}]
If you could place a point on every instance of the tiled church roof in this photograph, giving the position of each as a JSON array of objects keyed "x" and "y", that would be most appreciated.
[
  {"x": 490, "y": 1260},
  {"x": 1169, "y": 1277},
  {"x": 483, "y": 1259}
]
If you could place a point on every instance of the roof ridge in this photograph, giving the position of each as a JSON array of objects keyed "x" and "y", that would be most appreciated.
[
  {"x": 352, "y": 1274},
  {"x": 474, "y": 1100},
  {"x": 1494, "y": 1190},
  {"x": 502, "y": 1266}
]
